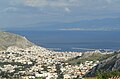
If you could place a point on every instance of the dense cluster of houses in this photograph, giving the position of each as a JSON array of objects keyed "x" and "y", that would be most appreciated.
[{"x": 38, "y": 62}]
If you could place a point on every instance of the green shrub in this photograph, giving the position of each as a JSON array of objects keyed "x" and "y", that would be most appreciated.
[{"x": 107, "y": 74}]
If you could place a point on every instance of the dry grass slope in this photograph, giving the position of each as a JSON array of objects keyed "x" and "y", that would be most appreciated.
[{"x": 9, "y": 39}]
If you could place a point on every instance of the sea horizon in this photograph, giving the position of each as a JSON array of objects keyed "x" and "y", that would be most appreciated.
[{"x": 74, "y": 41}]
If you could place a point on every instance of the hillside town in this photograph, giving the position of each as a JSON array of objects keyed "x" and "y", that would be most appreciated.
[{"x": 38, "y": 62}]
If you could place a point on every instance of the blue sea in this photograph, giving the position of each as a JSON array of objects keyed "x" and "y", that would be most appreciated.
[{"x": 74, "y": 40}]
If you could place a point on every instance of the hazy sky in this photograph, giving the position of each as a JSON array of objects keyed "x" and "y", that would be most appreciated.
[{"x": 15, "y": 13}]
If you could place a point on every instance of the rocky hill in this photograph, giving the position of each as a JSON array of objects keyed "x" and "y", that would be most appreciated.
[
  {"x": 110, "y": 64},
  {"x": 89, "y": 56},
  {"x": 9, "y": 39}
]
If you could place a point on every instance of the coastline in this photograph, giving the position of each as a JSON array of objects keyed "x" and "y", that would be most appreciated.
[
  {"x": 67, "y": 40},
  {"x": 39, "y": 62}
]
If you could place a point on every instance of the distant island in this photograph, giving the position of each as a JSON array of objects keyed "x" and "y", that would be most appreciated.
[
  {"x": 71, "y": 29},
  {"x": 21, "y": 59}
]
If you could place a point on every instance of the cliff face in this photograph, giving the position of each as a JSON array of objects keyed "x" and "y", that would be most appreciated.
[
  {"x": 110, "y": 64},
  {"x": 9, "y": 39}
]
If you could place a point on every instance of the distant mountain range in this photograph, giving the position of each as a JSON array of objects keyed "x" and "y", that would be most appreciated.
[
  {"x": 9, "y": 39},
  {"x": 107, "y": 24},
  {"x": 102, "y": 24}
]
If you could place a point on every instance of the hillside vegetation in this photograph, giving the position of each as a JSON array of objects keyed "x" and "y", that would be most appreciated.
[
  {"x": 108, "y": 66},
  {"x": 9, "y": 39},
  {"x": 88, "y": 57}
]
